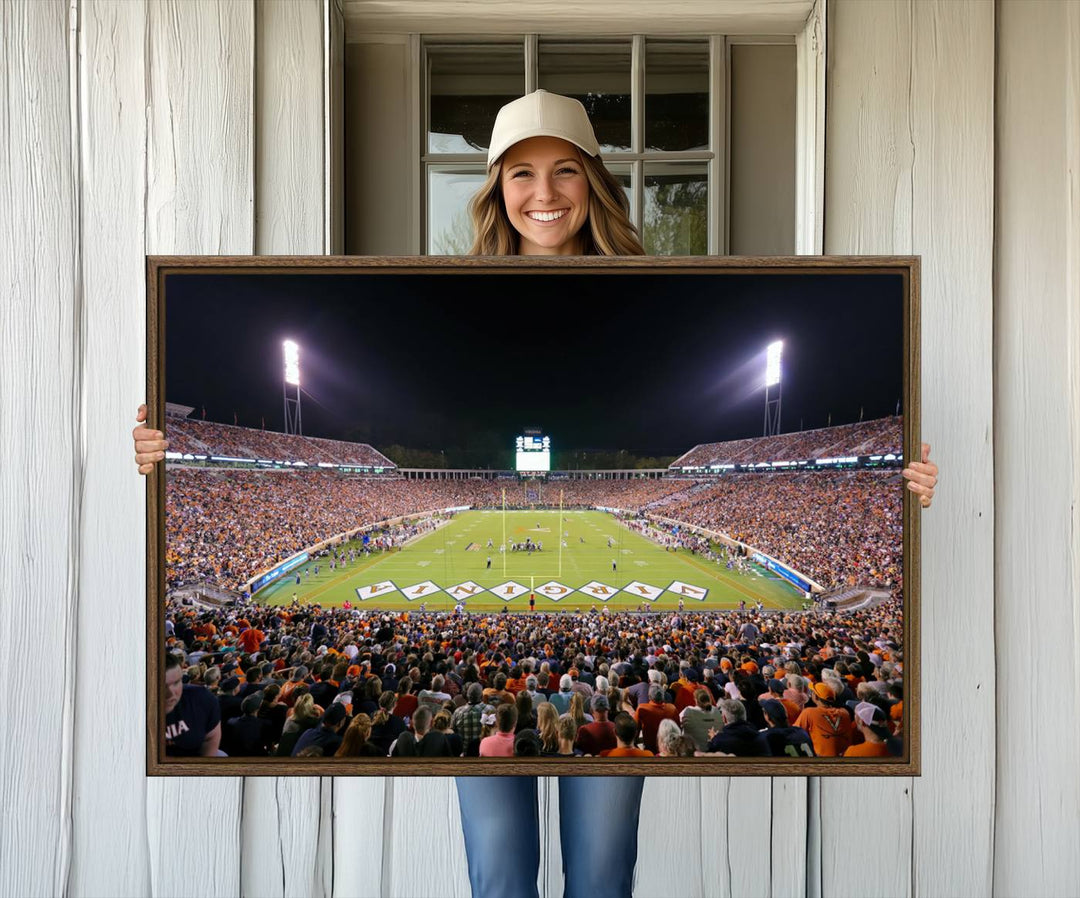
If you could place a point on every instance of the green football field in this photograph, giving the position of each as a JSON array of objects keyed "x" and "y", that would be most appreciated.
[{"x": 450, "y": 564}]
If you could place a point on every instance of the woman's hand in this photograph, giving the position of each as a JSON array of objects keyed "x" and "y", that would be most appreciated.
[
  {"x": 922, "y": 477},
  {"x": 150, "y": 445}
]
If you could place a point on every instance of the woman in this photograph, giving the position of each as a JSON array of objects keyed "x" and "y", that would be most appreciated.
[
  {"x": 386, "y": 725},
  {"x": 567, "y": 730},
  {"x": 406, "y": 699},
  {"x": 577, "y": 710},
  {"x": 357, "y": 740},
  {"x": 441, "y": 724},
  {"x": 547, "y": 193},
  {"x": 487, "y": 727},
  {"x": 547, "y": 726},
  {"x": 303, "y": 715},
  {"x": 672, "y": 742},
  {"x": 273, "y": 712},
  {"x": 526, "y": 717},
  {"x": 366, "y": 698}
]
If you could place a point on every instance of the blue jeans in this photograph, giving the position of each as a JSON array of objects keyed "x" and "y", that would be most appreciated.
[{"x": 598, "y": 822}]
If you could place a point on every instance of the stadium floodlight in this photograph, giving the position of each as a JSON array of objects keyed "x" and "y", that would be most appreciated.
[
  {"x": 772, "y": 363},
  {"x": 292, "y": 362},
  {"x": 291, "y": 386},
  {"x": 772, "y": 379}
]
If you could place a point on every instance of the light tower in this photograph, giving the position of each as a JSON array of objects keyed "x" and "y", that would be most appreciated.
[
  {"x": 772, "y": 379},
  {"x": 291, "y": 387}
]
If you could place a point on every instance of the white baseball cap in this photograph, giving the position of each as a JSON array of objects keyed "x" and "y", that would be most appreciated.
[{"x": 541, "y": 114}]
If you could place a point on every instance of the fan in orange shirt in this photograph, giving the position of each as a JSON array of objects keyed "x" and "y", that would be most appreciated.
[
  {"x": 251, "y": 639},
  {"x": 291, "y": 685},
  {"x": 650, "y": 713},
  {"x": 514, "y": 685},
  {"x": 829, "y": 727},
  {"x": 626, "y": 730},
  {"x": 870, "y": 720},
  {"x": 775, "y": 692},
  {"x": 684, "y": 689}
]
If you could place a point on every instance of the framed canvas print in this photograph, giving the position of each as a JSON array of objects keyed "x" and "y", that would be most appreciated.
[{"x": 533, "y": 516}]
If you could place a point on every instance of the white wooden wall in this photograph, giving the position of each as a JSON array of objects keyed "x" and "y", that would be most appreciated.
[
  {"x": 1037, "y": 446},
  {"x": 200, "y": 127},
  {"x": 910, "y": 150}
]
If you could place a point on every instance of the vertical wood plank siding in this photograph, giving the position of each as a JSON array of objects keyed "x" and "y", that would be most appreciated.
[
  {"x": 290, "y": 157},
  {"x": 909, "y": 155},
  {"x": 869, "y": 154},
  {"x": 286, "y": 830},
  {"x": 953, "y": 229},
  {"x": 199, "y": 200},
  {"x": 109, "y": 813},
  {"x": 1037, "y": 410},
  {"x": 40, "y": 444}
]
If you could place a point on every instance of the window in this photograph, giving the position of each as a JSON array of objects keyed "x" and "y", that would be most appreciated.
[
  {"x": 718, "y": 140},
  {"x": 656, "y": 106}
]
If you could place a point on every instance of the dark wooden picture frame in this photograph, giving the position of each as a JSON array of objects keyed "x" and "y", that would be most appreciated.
[{"x": 160, "y": 268}]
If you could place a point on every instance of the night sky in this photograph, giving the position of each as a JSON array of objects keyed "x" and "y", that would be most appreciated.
[{"x": 653, "y": 364}]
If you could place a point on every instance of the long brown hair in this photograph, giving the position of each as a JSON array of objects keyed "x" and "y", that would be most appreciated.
[
  {"x": 524, "y": 705},
  {"x": 577, "y": 709},
  {"x": 607, "y": 231},
  {"x": 356, "y": 735},
  {"x": 547, "y": 724},
  {"x": 386, "y": 707}
]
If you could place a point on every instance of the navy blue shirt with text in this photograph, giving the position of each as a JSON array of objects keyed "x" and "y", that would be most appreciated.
[{"x": 186, "y": 726}]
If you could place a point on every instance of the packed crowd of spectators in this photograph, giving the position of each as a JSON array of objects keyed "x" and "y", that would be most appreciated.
[
  {"x": 877, "y": 437},
  {"x": 188, "y": 435},
  {"x": 307, "y": 681},
  {"x": 228, "y": 525},
  {"x": 837, "y": 527}
]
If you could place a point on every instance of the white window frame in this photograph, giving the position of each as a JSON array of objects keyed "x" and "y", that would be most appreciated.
[{"x": 809, "y": 40}]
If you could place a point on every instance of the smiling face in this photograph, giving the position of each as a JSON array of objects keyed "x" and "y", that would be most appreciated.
[{"x": 546, "y": 195}]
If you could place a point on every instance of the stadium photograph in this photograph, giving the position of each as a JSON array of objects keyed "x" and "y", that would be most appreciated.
[{"x": 497, "y": 514}]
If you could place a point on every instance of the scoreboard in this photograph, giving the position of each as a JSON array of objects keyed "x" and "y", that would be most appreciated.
[{"x": 533, "y": 453}]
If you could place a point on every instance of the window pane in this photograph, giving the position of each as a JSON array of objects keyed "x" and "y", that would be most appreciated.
[
  {"x": 466, "y": 87},
  {"x": 449, "y": 191},
  {"x": 762, "y": 178},
  {"x": 623, "y": 174},
  {"x": 676, "y": 95},
  {"x": 676, "y": 209},
  {"x": 597, "y": 74}
]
